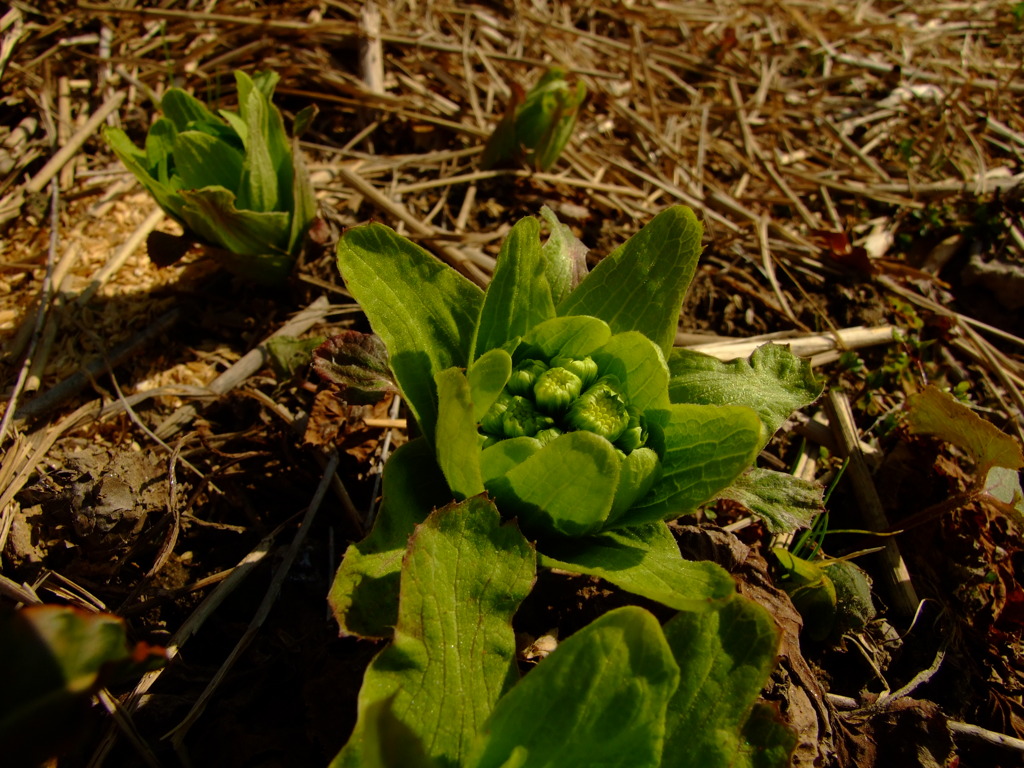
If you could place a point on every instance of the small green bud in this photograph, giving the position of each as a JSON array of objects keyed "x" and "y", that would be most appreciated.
[
  {"x": 491, "y": 422},
  {"x": 547, "y": 435},
  {"x": 584, "y": 367},
  {"x": 601, "y": 410},
  {"x": 555, "y": 390},
  {"x": 635, "y": 434},
  {"x": 524, "y": 376},
  {"x": 521, "y": 419}
]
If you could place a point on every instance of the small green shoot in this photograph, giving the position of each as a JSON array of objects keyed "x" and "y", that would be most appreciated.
[
  {"x": 233, "y": 180},
  {"x": 536, "y": 126}
]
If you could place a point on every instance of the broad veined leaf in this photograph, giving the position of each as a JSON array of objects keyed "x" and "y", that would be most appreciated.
[
  {"x": 933, "y": 412},
  {"x": 573, "y": 336},
  {"x": 773, "y": 381},
  {"x": 640, "y": 286},
  {"x": 644, "y": 560},
  {"x": 640, "y": 368},
  {"x": 211, "y": 213},
  {"x": 424, "y": 310},
  {"x": 785, "y": 502},
  {"x": 598, "y": 700},
  {"x": 566, "y": 488},
  {"x": 202, "y": 160},
  {"x": 725, "y": 651},
  {"x": 453, "y": 653},
  {"x": 364, "y": 596},
  {"x": 487, "y": 376},
  {"x": 706, "y": 449},
  {"x": 519, "y": 295},
  {"x": 458, "y": 442}
]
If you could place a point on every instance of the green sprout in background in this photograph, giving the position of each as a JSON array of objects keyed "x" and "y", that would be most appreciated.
[
  {"x": 233, "y": 180},
  {"x": 536, "y": 127}
]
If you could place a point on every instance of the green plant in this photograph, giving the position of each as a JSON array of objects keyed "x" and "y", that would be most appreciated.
[
  {"x": 590, "y": 465},
  {"x": 536, "y": 126},
  {"x": 235, "y": 182},
  {"x": 53, "y": 660}
]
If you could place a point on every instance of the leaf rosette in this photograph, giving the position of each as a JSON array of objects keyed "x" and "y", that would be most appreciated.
[
  {"x": 233, "y": 180},
  {"x": 550, "y": 391}
]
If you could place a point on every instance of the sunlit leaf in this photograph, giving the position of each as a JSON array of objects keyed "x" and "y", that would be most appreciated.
[{"x": 453, "y": 653}]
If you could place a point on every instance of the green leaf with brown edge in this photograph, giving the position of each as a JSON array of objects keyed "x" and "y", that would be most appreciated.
[
  {"x": 519, "y": 295},
  {"x": 706, "y": 449},
  {"x": 424, "y": 310},
  {"x": 52, "y": 660},
  {"x": 725, "y": 652},
  {"x": 453, "y": 653},
  {"x": 643, "y": 560},
  {"x": 357, "y": 363},
  {"x": 640, "y": 286},
  {"x": 773, "y": 381},
  {"x": 934, "y": 412},
  {"x": 598, "y": 700},
  {"x": 364, "y": 595}
]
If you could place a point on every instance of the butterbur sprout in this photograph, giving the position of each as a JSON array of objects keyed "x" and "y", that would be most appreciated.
[{"x": 234, "y": 181}]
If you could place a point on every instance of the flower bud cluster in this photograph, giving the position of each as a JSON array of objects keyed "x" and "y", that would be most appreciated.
[{"x": 547, "y": 399}]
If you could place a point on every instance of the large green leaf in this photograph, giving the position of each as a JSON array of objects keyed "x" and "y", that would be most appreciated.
[
  {"x": 639, "y": 366},
  {"x": 519, "y": 295},
  {"x": 424, "y": 310},
  {"x": 210, "y": 212},
  {"x": 258, "y": 186},
  {"x": 364, "y": 596},
  {"x": 725, "y": 652},
  {"x": 566, "y": 488},
  {"x": 773, "y": 381},
  {"x": 453, "y": 653},
  {"x": 202, "y": 160},
  {"x": 785, "y": 502},
  {"x": 186, "y": 111},
  {"x": 644, "y": 560},
  {"x": 640, "y": 286},
  {"x": 706, "y": 449},
  {"x": 458, "y": 442},
  {"x": 598, "y": 700}
]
